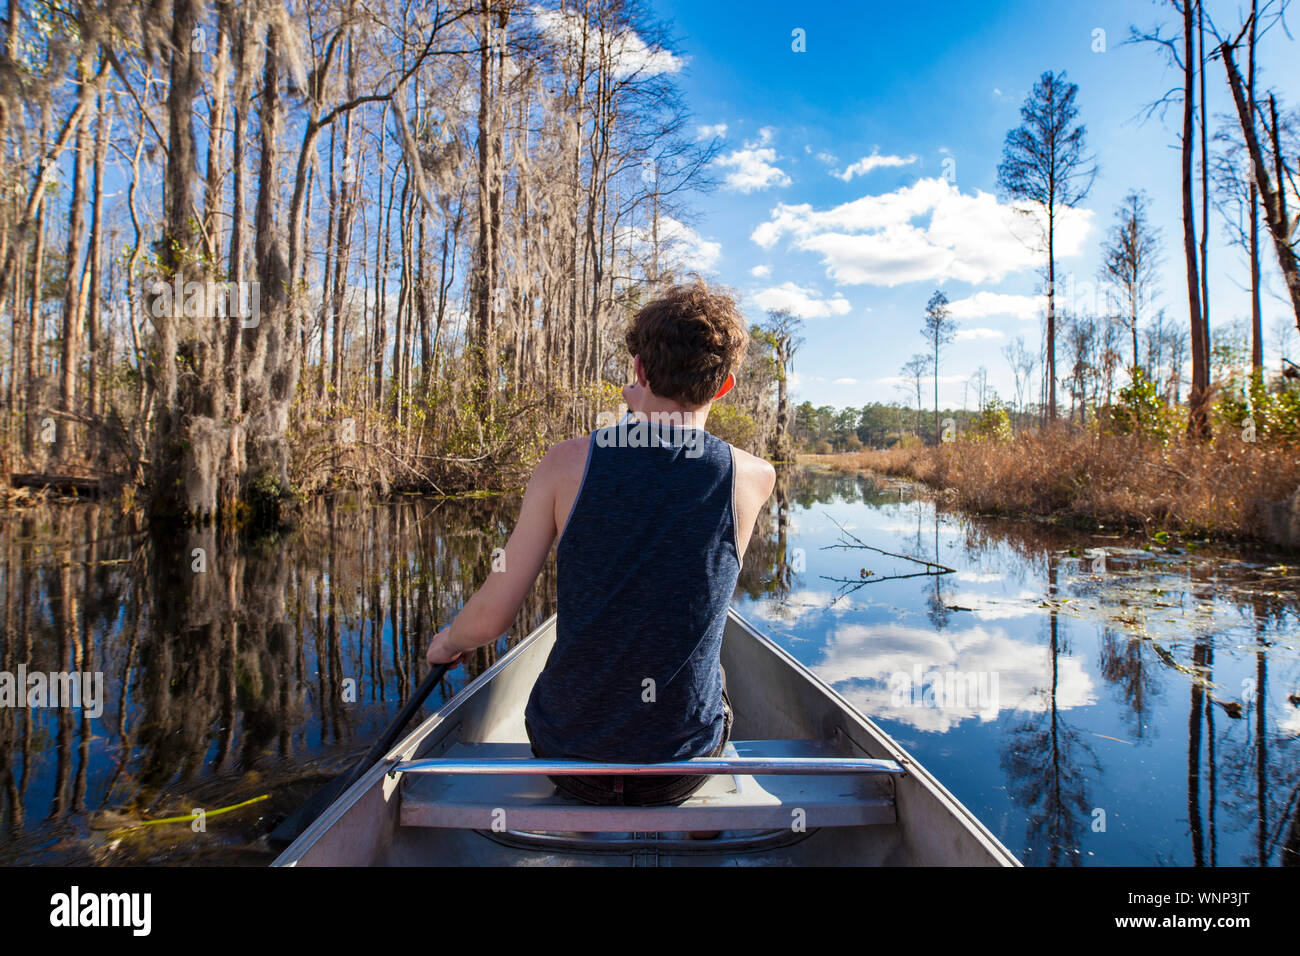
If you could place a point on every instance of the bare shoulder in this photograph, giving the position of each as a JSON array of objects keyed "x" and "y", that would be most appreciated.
[
  {"x": 564, "y": 454},
  {"x": 756, "y": 475},
  {"x": 560, "y": 471},
  {"x": 754, "y": 480},
  {"x": 562, "y": 458}
]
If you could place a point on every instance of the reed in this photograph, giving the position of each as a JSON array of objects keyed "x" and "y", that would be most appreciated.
[{"x": 1092, "y": 479}]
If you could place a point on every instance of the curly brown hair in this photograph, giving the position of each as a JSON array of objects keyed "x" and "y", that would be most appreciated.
[{"x": 689, "y": 340}]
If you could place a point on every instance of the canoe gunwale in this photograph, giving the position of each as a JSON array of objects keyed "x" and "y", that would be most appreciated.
[{"x": 380, "y": 774}]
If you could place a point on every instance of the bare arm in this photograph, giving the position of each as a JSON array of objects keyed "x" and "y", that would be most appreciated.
[
  {"x": 493, "y": 607},
  {"x": 755, "y": 479}
]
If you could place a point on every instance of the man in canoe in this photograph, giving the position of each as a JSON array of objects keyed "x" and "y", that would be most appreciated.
[{"x": 652, "y": 516}]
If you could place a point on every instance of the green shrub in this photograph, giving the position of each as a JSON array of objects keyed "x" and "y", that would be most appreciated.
[
  {"x": 1140, "y": 410},
  {"x": 992, "y": 424},
  {"x": 733, "y": 425},
  {"x": 1258, "y": 412}
]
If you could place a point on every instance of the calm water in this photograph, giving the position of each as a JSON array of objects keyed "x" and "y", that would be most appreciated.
[{"x": 1093, "y": 699}]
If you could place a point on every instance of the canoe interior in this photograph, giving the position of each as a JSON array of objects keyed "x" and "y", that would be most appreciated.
[{"x": 774, "y": 698}]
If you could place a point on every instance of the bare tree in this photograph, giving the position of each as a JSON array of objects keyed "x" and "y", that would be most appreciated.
[
  {"x": 1081, "y": 343},
  {"x": 1271, "y": 178},
  {"x": 938, "y": 331},
  {"x": 1237, "y": 199},
  {"x": 1022, "y": 362},
  {"x": 1131, "y": 259},
  {"x": 913, "y": 373},
  {"x": 1181, "y": 51}
]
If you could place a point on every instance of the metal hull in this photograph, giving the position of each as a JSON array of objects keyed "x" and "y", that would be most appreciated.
[{"x": 774, "y": 698}]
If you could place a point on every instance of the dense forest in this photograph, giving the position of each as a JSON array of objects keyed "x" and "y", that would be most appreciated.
[{"x": 253, "y": 251}]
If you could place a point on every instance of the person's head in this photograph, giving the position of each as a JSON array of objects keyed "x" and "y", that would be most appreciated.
[{"x": 689, "y": 343}]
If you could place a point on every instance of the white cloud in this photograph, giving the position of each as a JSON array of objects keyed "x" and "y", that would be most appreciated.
[
  {"x": 761, "y": 272},
  {"x": 687, "y": 248},
  {"x": 983, "y": 304},
  {"x": 800, "y": 604},
  {"x": 987, "y": 607},
  {"x": 708, "y": 132},
  {"x": 681, "y": 248},
  {"x": 875, "y": 161},
  {"x": 877, "y": 239},
  {"x": 845, "y": 381},
  {"x": 878, "y": 668},
  {"x": 973, "y": 335},
  {"x": 752, "y": 168},
  {"x": 804, "y": 303},
  {"x": 928, "y": 377},
  {"x": 978, "y": 577},
  {"x": 625, "y": 48},
  {"x": 830, "y": 159}
]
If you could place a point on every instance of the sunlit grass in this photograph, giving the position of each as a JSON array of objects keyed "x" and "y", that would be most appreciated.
[{"x": 1091, "y": 478}]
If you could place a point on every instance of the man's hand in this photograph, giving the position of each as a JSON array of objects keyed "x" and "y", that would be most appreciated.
[{"x": 441, "y": 650}]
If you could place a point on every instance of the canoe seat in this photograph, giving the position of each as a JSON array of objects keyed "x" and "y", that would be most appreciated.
[{"x": 530, "y": 802}]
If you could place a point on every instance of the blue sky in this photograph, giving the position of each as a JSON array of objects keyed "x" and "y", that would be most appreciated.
[{"x": 859, "y": 250}]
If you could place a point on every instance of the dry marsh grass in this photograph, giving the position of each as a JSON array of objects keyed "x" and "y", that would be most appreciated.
[{"x": 1097, "y": 479}]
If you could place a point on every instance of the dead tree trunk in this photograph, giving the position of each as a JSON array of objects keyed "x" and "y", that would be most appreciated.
[
  {"x": 1273, "y": 201},
  {"x": 1198, "y": 423},
  {"x": 96, "y": 259},
  {"x": 73, "y": 283}
]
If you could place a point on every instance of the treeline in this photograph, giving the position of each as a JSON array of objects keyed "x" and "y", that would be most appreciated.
[
  {"x": 825, "y": 430},
  {"x": 253, "y": 250}
]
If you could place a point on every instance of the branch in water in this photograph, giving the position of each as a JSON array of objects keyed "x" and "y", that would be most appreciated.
[{"x": 943, "y": 569}]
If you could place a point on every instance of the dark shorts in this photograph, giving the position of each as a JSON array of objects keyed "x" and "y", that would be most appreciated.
[{"x": 644, "y": 790}]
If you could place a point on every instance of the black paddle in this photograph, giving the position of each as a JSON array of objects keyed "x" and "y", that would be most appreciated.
[{"x": 293, "y": 825}]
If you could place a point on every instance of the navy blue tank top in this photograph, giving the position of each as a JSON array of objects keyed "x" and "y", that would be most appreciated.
[{"x": 647, "y": 566}]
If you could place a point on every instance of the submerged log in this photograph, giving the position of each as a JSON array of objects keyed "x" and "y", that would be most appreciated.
[{"x": 62, "y": 484}]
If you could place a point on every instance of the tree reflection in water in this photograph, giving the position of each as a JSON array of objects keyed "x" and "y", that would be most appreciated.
[{"x": 237, "y": 667}]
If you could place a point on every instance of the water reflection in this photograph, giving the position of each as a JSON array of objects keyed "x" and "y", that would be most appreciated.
[
  {"x": 1090, "y": 700},
  {"x": 231, "y": 667},
  {"x": 1105, "y": 654}
]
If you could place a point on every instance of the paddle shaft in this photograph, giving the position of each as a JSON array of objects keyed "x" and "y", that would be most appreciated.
[
  {"x": 298, "y": 821},
  {"x": 385, "y": 743}
]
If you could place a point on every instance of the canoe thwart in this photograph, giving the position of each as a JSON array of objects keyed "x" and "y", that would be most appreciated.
[
  {"x": 696, "y": 765},
  {"x": 510, "y": 789}
]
